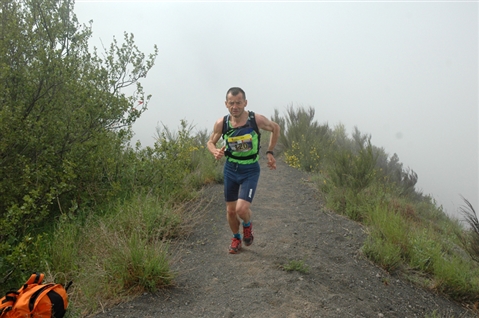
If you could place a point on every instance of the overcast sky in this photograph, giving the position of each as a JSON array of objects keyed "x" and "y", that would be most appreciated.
[{"x": 404, "y": 72}]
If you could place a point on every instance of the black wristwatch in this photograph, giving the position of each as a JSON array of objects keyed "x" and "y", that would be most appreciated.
[{"x": 269, "y": 151}]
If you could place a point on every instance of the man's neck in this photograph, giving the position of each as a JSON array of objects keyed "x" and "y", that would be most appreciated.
[{"x": 241, "y": 120}]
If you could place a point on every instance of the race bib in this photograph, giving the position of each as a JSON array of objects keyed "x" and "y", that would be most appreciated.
[{"x": 241, "y": 143}]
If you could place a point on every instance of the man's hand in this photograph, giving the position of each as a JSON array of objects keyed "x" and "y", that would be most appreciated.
[
  {"x": 219, "y": 153},
  {"x": 271, "y": 162}
]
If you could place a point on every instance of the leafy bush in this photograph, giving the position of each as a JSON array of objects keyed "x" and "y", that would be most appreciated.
[
  {"x": 392, "y": 173},
  {"x": 63, "y": 121},
  {"x": 306, "y": 142},
  {"x": 351, "y": 170},
  {"x": 76, "y": 199}
]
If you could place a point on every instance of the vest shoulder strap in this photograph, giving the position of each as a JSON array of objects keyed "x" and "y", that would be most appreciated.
[{"x": 251, "y": 118}]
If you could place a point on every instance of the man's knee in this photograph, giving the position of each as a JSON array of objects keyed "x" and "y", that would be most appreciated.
[
  {"x": 242, "y": 208},
  {"x": 231, "y": 212},
  {"x": 231, "y": 208}
]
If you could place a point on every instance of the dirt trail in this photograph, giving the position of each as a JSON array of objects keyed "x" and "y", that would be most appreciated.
[{"x": 289, "y": 224}]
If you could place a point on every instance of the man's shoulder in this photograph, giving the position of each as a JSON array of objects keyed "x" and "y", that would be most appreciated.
[
  {"x": 257, "y": 117},
  {"x": 262, "y": 121},
  {"x": 219, "y": 124}
]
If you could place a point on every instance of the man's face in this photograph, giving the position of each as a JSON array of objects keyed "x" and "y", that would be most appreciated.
[{"x": 236, "y": 104}]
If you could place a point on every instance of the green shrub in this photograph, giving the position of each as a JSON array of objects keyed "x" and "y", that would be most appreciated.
[
  {"x": 64, "y": 122},
  {"x": 352, "y": 170},
  {"x": 306, "y": 142}
]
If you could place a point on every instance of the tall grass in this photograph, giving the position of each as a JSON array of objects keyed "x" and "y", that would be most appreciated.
[
  {"x": 387, "y": 242},
  {"x": 408, "y": 233},
  {"x": 116, "y": 253},
  {"x": 470, "y": 238}
]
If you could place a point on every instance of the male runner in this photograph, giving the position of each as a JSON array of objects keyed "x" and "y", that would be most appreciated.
[{"x": 241, "y": 132}]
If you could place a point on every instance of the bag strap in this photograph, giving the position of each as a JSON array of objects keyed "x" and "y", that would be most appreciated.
[
  {"x": 253, "y": 122},
  {"x": 255, "y": 127},
  {"x": 8, "y": 301},
  {"x": 251, "y": 119},
  {"x": 35, "y": 297},
  {"x": 35, "y": 278}
]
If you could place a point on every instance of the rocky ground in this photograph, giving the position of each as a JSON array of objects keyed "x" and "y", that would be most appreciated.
[{"x": 290, "y": 224}]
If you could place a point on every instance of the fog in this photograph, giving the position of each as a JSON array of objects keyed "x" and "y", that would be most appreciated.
[{"x": 404, "y": 72}]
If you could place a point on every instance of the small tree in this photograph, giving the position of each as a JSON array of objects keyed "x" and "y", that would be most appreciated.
[{"x": 63, "y": 116}]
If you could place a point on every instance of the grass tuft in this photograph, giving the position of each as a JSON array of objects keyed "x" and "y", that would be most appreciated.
[{"x": 296, "y": 266}]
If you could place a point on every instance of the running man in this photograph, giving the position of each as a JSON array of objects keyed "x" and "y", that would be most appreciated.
[{"x": 240, "y": 130}]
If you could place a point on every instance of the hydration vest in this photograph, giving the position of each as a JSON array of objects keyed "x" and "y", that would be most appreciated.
[{"x": 239, "y": 140}]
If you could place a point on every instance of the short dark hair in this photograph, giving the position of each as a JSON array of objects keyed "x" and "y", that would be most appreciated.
[{"x": 235, "y": 91}]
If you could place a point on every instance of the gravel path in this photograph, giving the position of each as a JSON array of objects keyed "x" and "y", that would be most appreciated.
[{"x": 290, "y": 225}]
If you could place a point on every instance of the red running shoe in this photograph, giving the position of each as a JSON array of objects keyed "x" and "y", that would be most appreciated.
[
  {"x": 235, "y": 245},
  {"x": 248, "y": 235}
]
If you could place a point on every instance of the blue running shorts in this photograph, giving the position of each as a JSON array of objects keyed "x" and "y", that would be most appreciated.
[{"x": 240, "y": 181}]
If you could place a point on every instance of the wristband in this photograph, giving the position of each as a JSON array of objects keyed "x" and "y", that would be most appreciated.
[{"x": 269, "y": 151}]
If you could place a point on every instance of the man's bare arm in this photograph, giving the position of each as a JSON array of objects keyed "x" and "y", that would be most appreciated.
[
  {"x": 215, "y": 136},
  {"x": 269, "y": 125}
]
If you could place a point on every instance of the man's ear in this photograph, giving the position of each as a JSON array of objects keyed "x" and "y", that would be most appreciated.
[{"x": 245, "y": 102}]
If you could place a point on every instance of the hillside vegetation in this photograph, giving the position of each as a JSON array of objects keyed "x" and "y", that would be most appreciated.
[
  {"x": 79, "y": 202},
  {"x": 407, "y": 231}
]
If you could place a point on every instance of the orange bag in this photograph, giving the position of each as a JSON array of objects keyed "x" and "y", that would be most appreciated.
[{"x": 35, "y": 300}]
